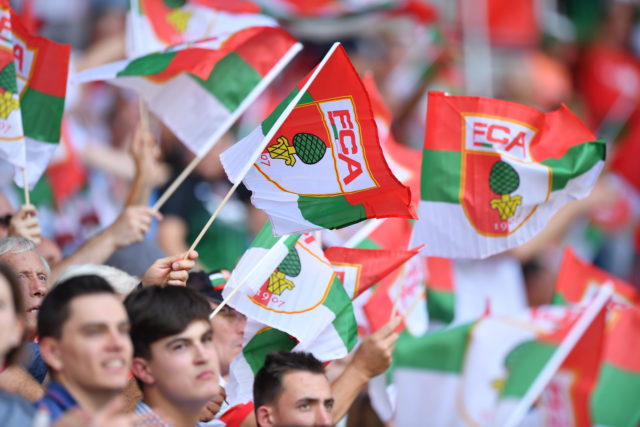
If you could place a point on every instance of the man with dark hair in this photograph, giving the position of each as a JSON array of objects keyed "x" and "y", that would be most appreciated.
[
  {"x": 84, "y": 340},
  {"x": 291, "y": 389},
  {"x": 174, "y": 362}
]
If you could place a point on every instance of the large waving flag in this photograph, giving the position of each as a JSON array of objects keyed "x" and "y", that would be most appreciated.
[
  {"x": 494, "y": 172},
  {"x": 33, "y": 81},
  {"x": 42, "y": 68},
  {"x": 578, "y": 281},
  {"x": 296, "y": 292},
  {"x": 475, "y": 374},
  {"x": 199, "y": 89},
  {"x": 323, "y": 168},
  {"x": 153, "y": 25}
]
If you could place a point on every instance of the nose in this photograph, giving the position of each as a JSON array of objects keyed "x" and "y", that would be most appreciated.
[
  {"x": 37, "y": 287},
  {"x": 323, "y": 416},
  {"x": 117, "y": 340}
]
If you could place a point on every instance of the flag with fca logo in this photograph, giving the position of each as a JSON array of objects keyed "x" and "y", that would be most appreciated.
[
  {"x": 494, "y": 172},
  {"x": 324, "y": 167}
]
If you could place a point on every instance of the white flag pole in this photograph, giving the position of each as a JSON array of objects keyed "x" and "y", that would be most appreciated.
[
  {"x": 246, "y": 278},
  {"x": 561, "y": 353},
  {"x": 226, "y": 125},
  {"x": 260, "y": 148}
]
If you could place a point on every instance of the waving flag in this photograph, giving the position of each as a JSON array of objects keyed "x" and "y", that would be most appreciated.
[
  {"x": 359, "y": 269},
  {"x": 199, "y": 89},
  {"x": 614, "y": 401},
  {"x": 299, "y": 294},
  {"x": 153, "y": 25},
  {"x": 476, "y": 373},
  {"x": 33, "y": 81},
  {"x": 578, "y": 281},
  {"x": 324, "y": 167},
  {"x": 12, "y": 147},
  {"x": 403, "y": 161},
  {"x": 494, "y": 172}
]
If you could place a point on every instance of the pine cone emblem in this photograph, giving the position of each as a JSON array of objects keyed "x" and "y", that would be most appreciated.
[
  {"x": 8, "y": 78},
  {"x": 503, "y": 178},
  {"x": 310, "y": 148},
  {"x": 290, "y": 266}
]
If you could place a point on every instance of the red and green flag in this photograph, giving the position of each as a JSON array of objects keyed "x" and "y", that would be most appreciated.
[
  {"x": 33, "y": 81},
  {"x": 359, "y": 269},
  {"x": 199, "y": 89},
  {"x": 578, "y": 281},
  {"x": 494, "y": 172},
  {"x": 153, "y": 25},
  {"x": 322, "y": 166},
  {"x": 403, "y": 161}
]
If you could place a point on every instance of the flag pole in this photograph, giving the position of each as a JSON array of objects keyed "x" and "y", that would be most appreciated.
[
  {"x": 229, "y": 121},
  {"x": 260, "y": 148},
  {"x": 245, "y": 279},
  {"x": 561, "y": 353},
  {"x": 26, "y": 186},
  {"x": 396, "y": 303}
]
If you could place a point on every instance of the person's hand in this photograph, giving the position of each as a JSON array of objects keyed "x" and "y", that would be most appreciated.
[
  {"x": 213, "y": 407},
  {"x": 172, "y": 270},
  {"x": 373, "y": 357},
  {"x": 145, "y": 152},
  {"x": 132, "y": 225},
  {"x": 24, "y": 223}
]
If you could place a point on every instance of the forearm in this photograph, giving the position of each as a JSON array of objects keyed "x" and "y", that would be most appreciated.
[
  {"x": 15, "y": 380},
  {"x": 345, "y": 389},
  {"x": 139, "y": 193},
  {"x": 94, "y": 251}
]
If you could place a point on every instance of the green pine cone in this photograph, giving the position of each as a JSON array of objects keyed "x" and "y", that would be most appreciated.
[
  {"x": 290, "y": 265},
  {"x": 174, "y": 4},
  {"x": 8, "y": 78},
  {"x": 503, "y": 178},
  {"x": 309, "y": 147}
]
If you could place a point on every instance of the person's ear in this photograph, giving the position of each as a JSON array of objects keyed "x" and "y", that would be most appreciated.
[
  {"x": 140, "y": 369},
  {"x": 51, "y": 353},
  {"x": 265, "y": 416}
]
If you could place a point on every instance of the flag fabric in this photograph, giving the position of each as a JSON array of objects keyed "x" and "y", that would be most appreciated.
[
  {"x": 578, "y": 281},
  {"x": 472, "y": 374},
  {"x": 199, "y": 89},
  {"x": 403, "y": 292},
  {"x": 403, "y": 161},
  {"x": 359, "y": 269},
  {"x": 33, "y": 80},
  {"x": 12, "y": 148},
  {"x": 323, "y": 167},
  {"x": 494, "y": 172},
  {"x": 300, "y": 294},
  {"x": 614, "y": 401},
  {"x": 154, "y": 25},
  {"x": 66, "y": 174}
]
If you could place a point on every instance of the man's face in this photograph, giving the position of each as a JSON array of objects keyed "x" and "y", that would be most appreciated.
[
  {"x": 33, "y": 279},
  {"x": 184, "y": 367},
  {"x": 305, "y": 401},
  {"x": 228, "y": 327},
  {"x": 93, "y": 355}
]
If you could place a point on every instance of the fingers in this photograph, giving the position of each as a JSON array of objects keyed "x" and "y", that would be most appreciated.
[
  {"x": 177, "y": 278},
  {"x": 389, "y": 327}
]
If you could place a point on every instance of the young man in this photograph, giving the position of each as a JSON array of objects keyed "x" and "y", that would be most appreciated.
[
  {"x": 84, "y": 340},
  {"x": 292, "y": 389},
  {"x": 174, "y": 362}
]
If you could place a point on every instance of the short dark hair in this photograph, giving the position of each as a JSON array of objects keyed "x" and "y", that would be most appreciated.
[
  {"x": 54, "y": 311},
  {"x": 18, "y": 307},
  {"x": 157, "y": 312},
  {"x": 267, "y": 385}
]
